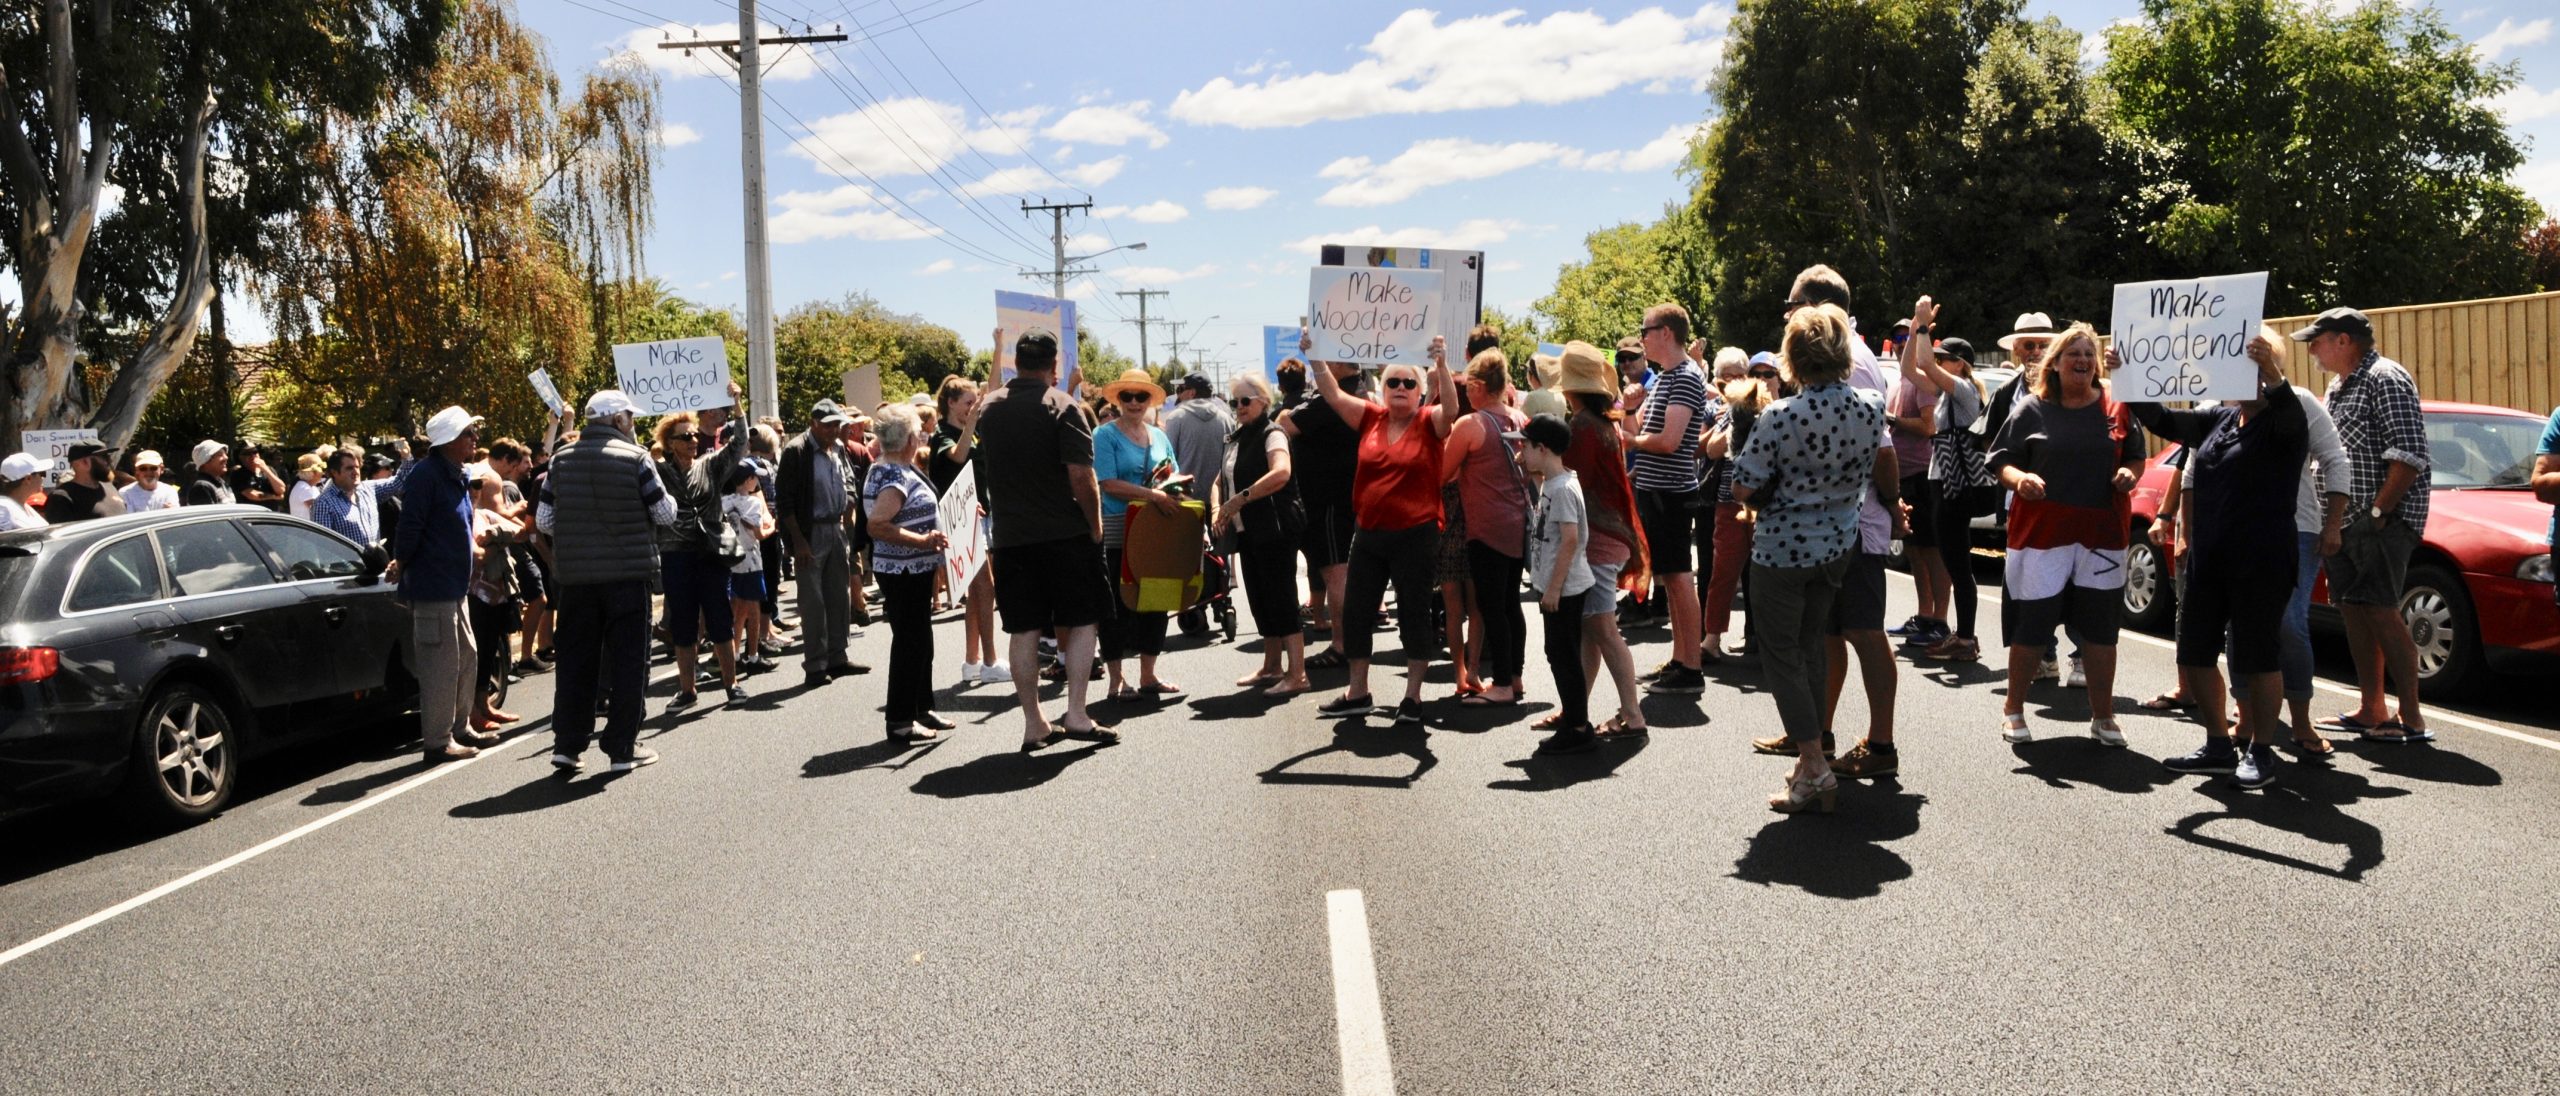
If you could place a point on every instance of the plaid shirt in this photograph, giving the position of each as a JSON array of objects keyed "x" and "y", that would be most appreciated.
[
  {"x": 359, "y": 519},
  {"x": 2378, "y": 417}
]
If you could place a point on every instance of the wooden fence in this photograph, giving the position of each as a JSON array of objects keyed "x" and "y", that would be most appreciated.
[{"x": 2503, "y": 351}]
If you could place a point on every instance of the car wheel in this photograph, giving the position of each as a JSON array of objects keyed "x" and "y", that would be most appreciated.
[
  {"x": 183, "y": 756},
  {"x": 2437, "y": 608},
  {"x": 2149, "y": 598}
]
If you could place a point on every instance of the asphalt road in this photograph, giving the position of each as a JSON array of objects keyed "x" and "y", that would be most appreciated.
[{"x": 787, "y": 904}]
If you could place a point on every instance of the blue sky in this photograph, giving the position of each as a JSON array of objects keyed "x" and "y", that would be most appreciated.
[{"x": 1231, "y": 138}]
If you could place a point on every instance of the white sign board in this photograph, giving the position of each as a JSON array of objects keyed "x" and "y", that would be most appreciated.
[
  {"x": 674, "y": 374},
  {"x": 1374, "y": 317},
  {"x": 55, "y": 446},
  {"x": 2188, "y": 339},
  {"x": 549, "y": 392},
  {"x": 968, "y": 532},
  {"x": 1020, "y": 312},
  {"x": 862, "y": 389},
  {"x": 1461, "y": 291}
]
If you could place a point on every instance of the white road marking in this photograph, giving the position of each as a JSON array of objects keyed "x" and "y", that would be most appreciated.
[
  {"x": 244, "y": 856},
  {"x": 2434, "y": 715},
  {"x": 1363, "y": 1027}
]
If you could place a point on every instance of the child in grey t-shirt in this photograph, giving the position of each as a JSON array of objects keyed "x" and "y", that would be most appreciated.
[{"x": 1560, "y": 571}]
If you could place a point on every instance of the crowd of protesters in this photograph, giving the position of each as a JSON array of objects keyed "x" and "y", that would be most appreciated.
[{"x": 1657, "y": 485}]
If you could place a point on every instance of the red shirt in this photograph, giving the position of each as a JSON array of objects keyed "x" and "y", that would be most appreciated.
[{"x": 1397, "y": 482}]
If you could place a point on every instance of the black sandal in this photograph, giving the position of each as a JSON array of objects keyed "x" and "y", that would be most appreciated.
[{"x": 1330, "y": 659}]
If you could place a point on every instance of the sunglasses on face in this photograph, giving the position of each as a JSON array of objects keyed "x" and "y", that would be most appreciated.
[
  {"x": 1765, "y": 374},
  {"x": 684, "y": 437},
  {"x": 1651, "y": 328},
  {"x": 1403, "y": 382},
  {"x": 1133, "y": 397}
]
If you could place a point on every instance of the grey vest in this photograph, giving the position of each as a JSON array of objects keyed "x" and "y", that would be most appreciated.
[{"x": 600, "y": 529}]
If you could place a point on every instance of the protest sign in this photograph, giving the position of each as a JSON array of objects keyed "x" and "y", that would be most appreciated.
[
  {"x": 1552, "y": 350},
  {"x": 1020, "y": 312},
  {"x": 2188, "y": 339},
  {"x": 549, "y": 392},
  {"x": 1461, "y": 292},
  {"x": 960, "y": 522},
  {"x": 1279, "y": 344},
  {"x": 55, "y": 446},
  {"x": 1374, "y": 316},
  {"x": 674, "y": 374},
  {"x": 862, "y": 388}
]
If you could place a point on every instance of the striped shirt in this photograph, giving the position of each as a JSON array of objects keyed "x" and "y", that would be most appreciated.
[
  {"x": 2379, "y": 419},
  {"x": 918, "y": 512},
  {"x": 358, "y": 519},
  {"x": 1681, "y": 386}
]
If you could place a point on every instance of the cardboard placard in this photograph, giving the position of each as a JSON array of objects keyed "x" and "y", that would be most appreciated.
[
  {"x": 1461, "y": 294},
  {"x": 1374, "y": 316},
  {"x": 674, "y": 374},
  {"x": 2188, "y": 338},
  {"x": 968, "y": 533},
  {"x": 862, "y": 388},
  {"x": 1020, "y": 312},
  {"x": 55, "y": 446},
  {"x": 549, "y": 392}
]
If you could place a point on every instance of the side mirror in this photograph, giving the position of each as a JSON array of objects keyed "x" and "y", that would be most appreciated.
[{"x": 375, "y": 560}]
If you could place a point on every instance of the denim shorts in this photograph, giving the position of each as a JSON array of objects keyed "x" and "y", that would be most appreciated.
[{"x": 1602, "y": 598}]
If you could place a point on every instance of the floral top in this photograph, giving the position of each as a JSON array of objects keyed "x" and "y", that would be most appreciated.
[
  {"x": 1807, "y": 467},
  {"x": 919, "y": 511}
]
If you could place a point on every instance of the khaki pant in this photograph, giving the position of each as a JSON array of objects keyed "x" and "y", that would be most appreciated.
[{"x": 446, "y": 664}]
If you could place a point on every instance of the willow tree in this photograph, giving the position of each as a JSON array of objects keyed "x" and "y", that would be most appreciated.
[{"x": 463, "y": 238}]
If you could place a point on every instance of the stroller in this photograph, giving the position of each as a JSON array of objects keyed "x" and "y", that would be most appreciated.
[{"x": 1217, "y": 590}]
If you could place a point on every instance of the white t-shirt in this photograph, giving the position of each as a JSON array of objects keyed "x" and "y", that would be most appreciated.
[
  {"x": 18, "y": 515},
  {"x": 138, "y": 499},
  {"x": 299, "y": 499},
  {"x": 745, "y": 513},
  {"x": 1875, "y": 527}
]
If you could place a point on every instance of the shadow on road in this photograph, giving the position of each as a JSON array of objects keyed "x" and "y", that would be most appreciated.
[
  {"x": 2422, "y": 761},
  {"x": 540, "y": 793},
  {"x": 1840, "y": 855},
  {"x": 1355, "y": 738},
  {"x": 1545, "y": 774},
  {"x": 2306, "y": 800},
  {"x": 1958, "y": 675},
  {"x": 1248, "y": 704},
  {"x": 2069, "y": 761},
  {"x": 869, "y": 755},
  {"x": 996, "y": 774}
]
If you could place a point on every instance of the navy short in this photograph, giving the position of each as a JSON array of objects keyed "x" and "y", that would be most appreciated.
[{"x": 746, "y": 586}]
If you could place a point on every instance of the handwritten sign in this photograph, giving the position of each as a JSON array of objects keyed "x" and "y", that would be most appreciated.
[
  {"x": 1373, "y": 316},
  {"x": 2188, "y": 339},
  {"x": 55, "y": 446},
  {"x": 1279, "y": 344},
  {"x": 549, "y": 392},
  {"x": 960, "y": 522},
  {"x": 1461, "y": 290},
  {"x": 1020, "y": 312},
  {"x": 674, "y": 374}
]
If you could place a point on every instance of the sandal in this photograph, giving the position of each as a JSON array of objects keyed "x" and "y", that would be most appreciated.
[
  {"x": 2167, "y": 702},
  {"x": 1553, "y": 721},
  {"x": 2407, "y": 732},
  {"x": 2348, "y": 723},
  {"x": 2311, "y": 748},
  {"x": 1164, "y": 689},
  {"x": 1330, "y": 659},
  {"x": 1617, "y": 727},
  {"x": 1479, "y": 700}
]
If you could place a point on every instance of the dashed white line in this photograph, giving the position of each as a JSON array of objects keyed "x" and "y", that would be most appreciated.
[{"x": 1357, "y": 1017}]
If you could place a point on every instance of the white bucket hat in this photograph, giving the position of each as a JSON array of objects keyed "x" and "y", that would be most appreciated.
[
  {"x": 449, "y": 424},
  {"x": 208, "y": 449}
]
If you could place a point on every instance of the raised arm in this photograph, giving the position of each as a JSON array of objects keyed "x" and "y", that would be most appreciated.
[
  {"x": 1444, "y": 413},
  {"x": 1351, "y": 409}
]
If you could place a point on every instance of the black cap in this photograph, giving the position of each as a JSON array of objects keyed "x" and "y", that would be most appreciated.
[
  {"x": 1037, "y": 349},
  {"x": 826, "y": 411},
  {"x": 1955, "y": 348},
  {"x": 1546, "y": 432},
  {"x": 380, "y": 462},
  {"x": 1630, "y": 348},
  {"x": 1196, "y": 384},
  {"x": 88, "y": 449},
  {"x": 2339, "y": 321}
]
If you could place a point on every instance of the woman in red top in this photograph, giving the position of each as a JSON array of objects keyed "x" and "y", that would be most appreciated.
[{"x": 1395, "y": 511}]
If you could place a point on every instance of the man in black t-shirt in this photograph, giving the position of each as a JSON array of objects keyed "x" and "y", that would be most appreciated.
[{"x": 90, "y": 492}]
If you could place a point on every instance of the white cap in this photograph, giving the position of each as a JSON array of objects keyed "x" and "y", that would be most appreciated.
[
  {"x": 919, "y": 400},
  {"x": 449, "y": 424},
  {"x": 208, "y": 449},
  {"x": 607, "y": 404},
  {"x": 19, "y": 466},
  {"x": 149, "y": 458}
]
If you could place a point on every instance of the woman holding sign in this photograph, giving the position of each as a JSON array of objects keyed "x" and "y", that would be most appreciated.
[
  {"x": 953, "y": 440},
  {"x": 1395, "y": 514},
  {"x": 2072, "y": 453}
]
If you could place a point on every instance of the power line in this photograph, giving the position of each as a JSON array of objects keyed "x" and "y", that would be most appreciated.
[{"x": 915, "y": 154}]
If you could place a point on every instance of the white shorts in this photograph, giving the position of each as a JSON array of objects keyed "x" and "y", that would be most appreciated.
[{"x": 2037, "y": 573}]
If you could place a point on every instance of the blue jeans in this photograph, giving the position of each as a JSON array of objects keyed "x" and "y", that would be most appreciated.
[{"x": 2293, "y": 653}]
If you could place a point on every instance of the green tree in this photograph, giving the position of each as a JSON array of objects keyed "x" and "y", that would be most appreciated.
[
  {"x": 2351, "y": 154},
  {"x": 1519, "y": 341},
  {"x": 1631, "y": 268},
  {"x": 815, "y": 343}
]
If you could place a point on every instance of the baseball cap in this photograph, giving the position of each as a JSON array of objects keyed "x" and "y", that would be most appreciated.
[
  {"x": 208, "y": 449},
  {"x": 608, "y": 403},
  {"x": 19, "y": 466},
  {"x": 1955, "y": 348},
  {"x": 1195, "y": 383},
  {"x": 88, "y": 449},
  {"x": 828, "y": 412},
  {"x": 449, "y": 424},
  {"x": 1544, "y": 431},
  {"x": 1631, "y": 347},
  {"x": 2336, "y": 321},
  {"x": 149, "y": 458}
]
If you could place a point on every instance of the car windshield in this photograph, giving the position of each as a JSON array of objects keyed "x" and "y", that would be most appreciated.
[{"x": 2481, "y": 450}]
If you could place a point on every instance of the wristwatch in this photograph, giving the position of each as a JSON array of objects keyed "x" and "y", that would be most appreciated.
[{"x": 2376, "y": 511}]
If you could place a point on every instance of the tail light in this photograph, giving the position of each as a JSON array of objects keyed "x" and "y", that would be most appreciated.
[{"x": 28, "y": 665}]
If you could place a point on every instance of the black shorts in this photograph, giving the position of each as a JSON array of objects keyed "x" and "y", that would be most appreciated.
[
  {"x": 1922, "y": 496},
  {"x": 1052, "y": 584},
  {"x": 2372, "y": 564},
  {"x": 1327, "y": 540},
  {"x": 1860, "y": 606},
  {"x": 1668, "y": 522},
  {"x": 2250, "y": 603}
]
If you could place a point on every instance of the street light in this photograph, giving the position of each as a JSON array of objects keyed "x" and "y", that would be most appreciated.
[{"x": 1073, "y": 259}]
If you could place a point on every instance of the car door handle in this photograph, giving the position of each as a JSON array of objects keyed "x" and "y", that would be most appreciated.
[
  {"x": 228, "y": 633},
  {"x": 335, "y": 615}
]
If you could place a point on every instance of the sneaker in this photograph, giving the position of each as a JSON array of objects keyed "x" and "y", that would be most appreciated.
[
  {"x": 567, "y": 764},
  {"x": 1865, "y": 762},
  {"x": 1912, "y": 627},
  {"x": 737, "y": 694},
  {"x": 1655, "y": 674},
  {"x": 1679, "y": 681},
  {"x": 2257, "y": 768},
  {"x": 2079, "y": 678},
  {"x": 1779, "y": 745},
  {"x": 995, "y": 673},
  {"x": 2013, "y": 728},
  {"x": 640, "y": 755},
  {"x": 1346, "y": 705},
  {"x": 1572, "y": 740},
  {"x": 681, "y": 702},
  {"x": 1408, "y": 712},
  {"x": 2107, "y": 732},
  {"x": 2216, "y": 756},
  {"x": 968, "y": 674},
  {"x": 1937, "y": 633},
  {"x": 2051, "y": 670}
]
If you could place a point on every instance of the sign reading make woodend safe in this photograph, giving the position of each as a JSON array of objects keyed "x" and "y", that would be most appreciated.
[
  {"x": 674, "y": 374},
  {"x": 2188, "y": 339},
  {"x": 1373, "y": 317}
]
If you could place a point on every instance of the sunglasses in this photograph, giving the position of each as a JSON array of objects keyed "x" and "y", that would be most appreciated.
[
  {"x": 1128, "y": 397},
  {"x": 1242, "y": 401},
  {"x": 684, "y": 437},
  {"x": 1403, "y": 382},
  {"x": 1765, "y": 374},
  {"x": 1651, "y": 328}
]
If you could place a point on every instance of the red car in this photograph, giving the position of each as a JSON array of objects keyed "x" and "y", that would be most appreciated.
[{"x": 2479, "y": 596}]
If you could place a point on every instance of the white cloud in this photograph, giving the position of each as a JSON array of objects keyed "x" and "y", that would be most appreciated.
[
  {"x": 1418, "y": 65},
  {"x": 1108, "y": 125},
  {"x": 1086, "y": 243},
  {"x": 910, "y": 136},
  {"x": 1162, "y": 275},
  {"x": 795, "y": 64},
  {"x": 1029, "y": 179},
  {"x": 1097, "y": 172},
  {"x": 2540, "y": 182},
  {"x": 2523, "y": 104},
  {"x": 678, "y": 135},
  {"x": 938, "y": 266},
  {"x": 1446, "y": 160},
  {"x": 1237, "y": 197},
  {"x": 1469, "y": 235},
  {"x": 729, "y": 275},
  {"x": 1157, "y": 212},
  {"x": 844, "y": 211},
  {"x": 2509, "y": 36}
]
